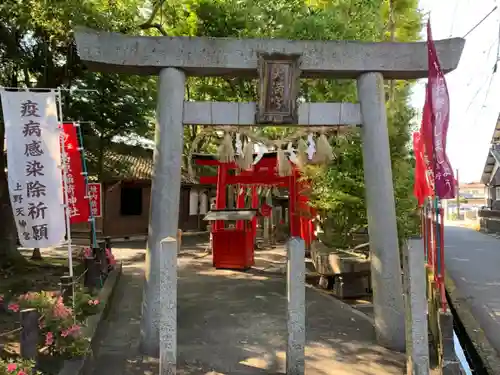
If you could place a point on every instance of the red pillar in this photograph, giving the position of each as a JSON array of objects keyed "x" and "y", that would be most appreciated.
[
  {"x": 312, "y": 223},
  {"x": 240, "y": 203},
  {"x": 255, "y": 204},
  {"x": 220, "y": 195},
  {"x": 303, "y": 209},
  {"x": 292, "y": 207}
]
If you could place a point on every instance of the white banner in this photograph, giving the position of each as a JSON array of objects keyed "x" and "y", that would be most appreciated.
[
  {"x": 32, "y": 138},
  {"x": 193, "y": 202},
  {"x": 203, "y": 203}
]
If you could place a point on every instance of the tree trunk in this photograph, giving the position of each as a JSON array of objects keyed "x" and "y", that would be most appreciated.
[
  {"x": 37, "y": 255},
  {"x": 8, "y": 234}
]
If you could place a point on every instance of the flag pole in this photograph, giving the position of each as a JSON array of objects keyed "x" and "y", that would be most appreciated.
[
  {"x": 65, "y": 184},
  {"x": 458, "y": 198},
  {"x": 87, "y": 190}
]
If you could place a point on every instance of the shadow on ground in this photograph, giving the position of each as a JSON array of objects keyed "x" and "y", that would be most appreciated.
[{"x": 235, "y": 323}]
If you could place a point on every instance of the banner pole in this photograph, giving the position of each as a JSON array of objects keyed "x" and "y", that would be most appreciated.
[
  {"x": 65, "y": 185},
  {"x": 87, "y": 191}
]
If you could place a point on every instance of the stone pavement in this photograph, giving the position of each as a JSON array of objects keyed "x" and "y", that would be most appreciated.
[
  {"x": 235, "y": 323},
  {"x": 473, "y": 261}
]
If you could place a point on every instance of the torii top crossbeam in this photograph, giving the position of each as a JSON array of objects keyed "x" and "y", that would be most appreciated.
[{"x": 202, "y": 56}]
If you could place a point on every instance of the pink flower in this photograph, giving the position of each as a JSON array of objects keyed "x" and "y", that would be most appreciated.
[
  {"x": 1, "y": 298},
  {"x": 112, "y": 260},
  {"x": 93, "y": 302},
  {"x": 11, "y": 367},
  {"x": 61, "y": 311},
  {"x": 87, "y": 252},
  {"x": 29, "y": 296},
  {"x": 22, "y": 372},
  {"x": 14, "y": 307},
  {"x": 49, "y": 338},
  {"x": 74, "y": 331},
  {"x": 111, "y": 257}
]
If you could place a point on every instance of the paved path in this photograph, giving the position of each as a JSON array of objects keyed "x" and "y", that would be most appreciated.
[
  {"x": 235, "y": 323},
  {"x": 473, "y": 262}
]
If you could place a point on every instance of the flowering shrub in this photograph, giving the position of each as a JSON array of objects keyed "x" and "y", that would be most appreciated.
[
  {"x": 87, "y": 253},
  {"x": 18, "y": 367},
  {"x": 111, "y": 259},
  {"x": 85, "y": 305},
  {"x": 59, "y": 329}
]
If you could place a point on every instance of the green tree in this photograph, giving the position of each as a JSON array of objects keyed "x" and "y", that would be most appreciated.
[
  {"x": 119, "y": 106},
  {"x": 37, "y": 50},
  {"x": 338, "y": 189}
]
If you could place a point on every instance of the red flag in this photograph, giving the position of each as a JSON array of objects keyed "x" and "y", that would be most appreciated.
[
  {"x": 439, "y": 107},
  {"x": 421, "y": 188},
  {"x": 78, "y": 204},
  {"x": 426, "y": 146}
]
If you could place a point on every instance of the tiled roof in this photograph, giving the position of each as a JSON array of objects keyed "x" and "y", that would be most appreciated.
[
  {"x": 127, "y": 162},
  {"x": 493, "y": 154},
  {"x": 489, "y": 167}
]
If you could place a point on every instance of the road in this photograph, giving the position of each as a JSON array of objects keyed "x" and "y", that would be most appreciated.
[{"x": 473, "y": 262}]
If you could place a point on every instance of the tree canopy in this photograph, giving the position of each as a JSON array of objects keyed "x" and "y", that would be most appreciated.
[{"x": 37, "y": 50}]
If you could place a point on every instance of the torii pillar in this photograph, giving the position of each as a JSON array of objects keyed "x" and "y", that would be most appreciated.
[{"x": 369, "y": 63}]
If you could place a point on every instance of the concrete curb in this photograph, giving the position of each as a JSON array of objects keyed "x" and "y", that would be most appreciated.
[
  {"x": 83, "y": 366},
  {"x": 488, "y": 354}
]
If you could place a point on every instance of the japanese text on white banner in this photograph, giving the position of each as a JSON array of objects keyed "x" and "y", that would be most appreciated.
[{"x": 33, "y": 158}]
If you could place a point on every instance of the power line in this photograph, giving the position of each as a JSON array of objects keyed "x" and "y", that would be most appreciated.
[
  {"x": 490, "y": 50},
  {"x": 453, "y": 19},
  {"x": 480, "y": 22},
  {"x": 492, "y": 73}
]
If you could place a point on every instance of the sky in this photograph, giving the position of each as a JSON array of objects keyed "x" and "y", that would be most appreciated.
[{"x": 473, "y": 87}]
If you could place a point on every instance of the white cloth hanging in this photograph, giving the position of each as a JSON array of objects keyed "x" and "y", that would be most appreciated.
[
  {"x": 193, "y": 202},
  {"x": 203, "y": 203}
]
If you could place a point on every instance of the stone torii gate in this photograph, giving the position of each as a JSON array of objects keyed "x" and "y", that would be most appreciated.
[{"x": 172, "y": 58}]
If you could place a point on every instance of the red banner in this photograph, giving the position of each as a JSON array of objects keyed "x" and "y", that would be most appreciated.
[
  {"x": 426, "y": 141},
  {"x": 77, "y": 203},
  {"x": 439, "y": 108},
  {"x": 95, "y": 195},
  {"x": 421, "y": 188},
  {"x": 266, "y": 209}
]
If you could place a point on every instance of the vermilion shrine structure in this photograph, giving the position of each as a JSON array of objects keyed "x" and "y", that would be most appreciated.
[
  {"x": 264, "y": 173},
  {"x": 279, "y": 64}
]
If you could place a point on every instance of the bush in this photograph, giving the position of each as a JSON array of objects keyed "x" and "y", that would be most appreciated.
[
  {"x": 85, "y": 305},
  {"x": 60, "y": 329},
  {"x": 17, "y": 367}
]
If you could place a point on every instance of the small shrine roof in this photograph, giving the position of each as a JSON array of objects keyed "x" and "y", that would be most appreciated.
[{"x": 229, "y": 214}]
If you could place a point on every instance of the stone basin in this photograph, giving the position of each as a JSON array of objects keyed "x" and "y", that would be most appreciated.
[{"x": 345, "y": 272}]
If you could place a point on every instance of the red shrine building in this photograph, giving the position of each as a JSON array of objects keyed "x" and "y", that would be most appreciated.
[
  {"x": 264, "y": 173},
  {"x": 126, "y": 190}
]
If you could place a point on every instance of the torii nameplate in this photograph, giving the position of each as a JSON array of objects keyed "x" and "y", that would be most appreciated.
[{"x": 279, "y": 79}]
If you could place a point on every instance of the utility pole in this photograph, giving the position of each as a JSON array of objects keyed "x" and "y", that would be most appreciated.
[{"x": 458, "y": 196}]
